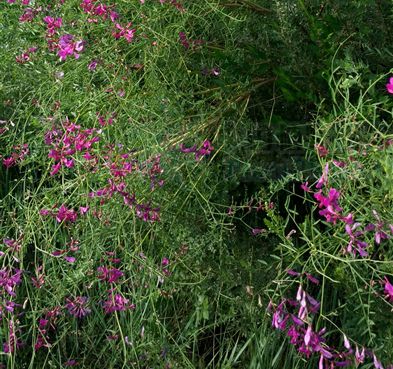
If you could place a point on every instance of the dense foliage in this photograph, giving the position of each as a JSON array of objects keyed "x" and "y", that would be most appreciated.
[{"x": 196, "y": 184}]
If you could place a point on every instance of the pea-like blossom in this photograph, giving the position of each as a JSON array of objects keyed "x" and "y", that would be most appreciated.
[
  {"x": 68, "y": 47},
  {"x": 389, "y": 85},
  {"x": 110, "y": 275},
  {"x": 388, "y": 290},
  {"x": 78, "y": 306},
  {"x": 116, "y": 302}
]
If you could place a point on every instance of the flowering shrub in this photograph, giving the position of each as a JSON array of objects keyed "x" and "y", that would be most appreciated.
[
  {"x": 346, "y": 239},
  {"x": 193, "y": 184}
]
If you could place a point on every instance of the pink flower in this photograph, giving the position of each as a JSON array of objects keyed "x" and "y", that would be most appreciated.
[
  {"x": 304, "y": 187},
  {"x": 69, "y": 259},
  {"x": 307, "y": 336},
  {"x": 124, "y": 32},
  {"x": 322, "y": 150},
  {"x": 9, "y": 162},
  {"x": 92, "y": 65},
  {"x": 116, "y": 302},
  {"x": 389, "y": 86},
  {"x": 347, "y": 344},
  {"x": 324, "y": 178},
  {"x": 330, "y": 204},
  {"x": 388, "y": 290},
  {"x": 77, "y": 306},
  {"x": 67, "y": 215},
  {"x": 83, "y": 210},
  {"x": 67, "y": 47},
  {"x": 111, "y": 275},
  {"x": 359, "y": 356},
  {"x": 377, "y": 363}
]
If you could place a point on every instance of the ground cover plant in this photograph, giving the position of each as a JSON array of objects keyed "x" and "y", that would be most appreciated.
[{"x": 196, "y": 184}]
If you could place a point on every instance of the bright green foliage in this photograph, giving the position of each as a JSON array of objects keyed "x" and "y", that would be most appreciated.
[{"x": 263, "y": 82}]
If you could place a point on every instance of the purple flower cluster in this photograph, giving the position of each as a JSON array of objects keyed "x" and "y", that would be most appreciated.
[
  {"x": 124, "y": 32},
  {"x": 116, "y": 302},
  {"x": 52, "y": 25},
  {"x": 29, "y": 13},
  {"x": 13, "y": 342},
  {"x": 187, "y": 43},
  {"x": 17, "y": 156},
  {"x": 63, "y": 214},
  {"x": 46, "y": 324},
  {"x": 25, "y": 56},
  {"x": 13, "y": 245},
  {"x": 143, "y": 211},
  {"x": 332, "y": 212},
  {"x": 110, "y": 275},
  {"x": 103, "y": 12},
  {"x": 68, "y": 47},
  {"x": 67, "y": 142},
  {"x": 101, "y": 118},
  {"x": 296, "y": 317},
  {"x": 205, "y": 150},
  {"x": 78, "y": 306},
  {"x": 9, "y": 279},
  {"x": 98, "y": 11}
]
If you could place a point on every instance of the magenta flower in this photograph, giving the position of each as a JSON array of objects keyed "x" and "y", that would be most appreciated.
[
  {"x": 388, "y": 290},
  {"x": 205, "y": 150},
  {"x": 304, "y": 186},
  {"x": 67, "y": 215},
  {"x": 322, "y": 151},
  {"x": 187, "y": 150},
  {"x": 183, "y": 40},
  {"x": 111, "y": 275},
  {"x": 78, "y": 306},
  {"x": 389, "y": 86},
  {"x": 69, "y": 259},
  {"x": 116, "y": 302},
  {"x": 126, "y": 32},
  {"x": 322, "y": 181},
  {"x": 52, "y": 24},
  {"x": 15, "y": 246},
  {"x": 331, "y": 210},
  {"x": 9, "y": 162},
  {"x": 92, "y": 65},
  {"x": 9, "y": 280},
  {"x": 67, "y": 47}
]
